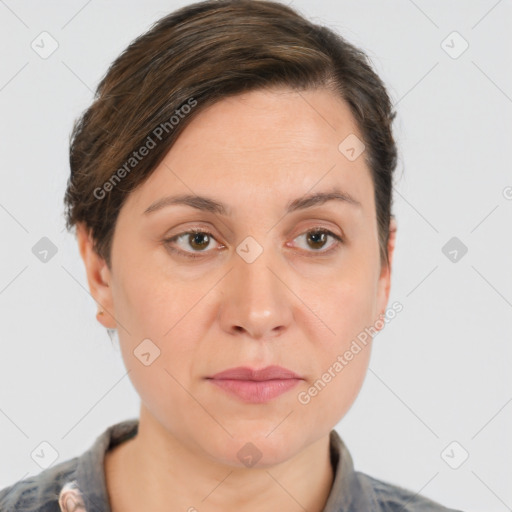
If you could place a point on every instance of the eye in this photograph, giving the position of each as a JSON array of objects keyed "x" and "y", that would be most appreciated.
[
  {"x": 316, "y": 238},
  {"x": 199, "y": 240},
  {"x": 195, "y": 238}
]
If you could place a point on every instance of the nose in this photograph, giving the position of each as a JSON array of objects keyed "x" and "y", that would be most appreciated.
[{"x": 257, "y": 302}]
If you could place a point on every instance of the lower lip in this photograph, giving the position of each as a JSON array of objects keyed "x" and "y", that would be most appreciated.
[{"x": 256, "y": 391}]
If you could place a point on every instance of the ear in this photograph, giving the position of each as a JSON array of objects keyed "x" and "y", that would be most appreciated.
[
  {"x": 385, "y": 274},
  {"x": 98, "y": 276}
]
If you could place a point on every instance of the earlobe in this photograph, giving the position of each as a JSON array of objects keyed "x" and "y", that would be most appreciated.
[{"x": 98, "y": 276}]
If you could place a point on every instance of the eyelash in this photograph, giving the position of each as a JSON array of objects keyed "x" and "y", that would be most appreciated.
[{"x": 318, "y": 230}]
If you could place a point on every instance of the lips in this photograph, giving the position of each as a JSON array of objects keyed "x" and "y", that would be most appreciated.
[
  {"x": 245, "y": 373},
  {"x": 256, "y": 386}
]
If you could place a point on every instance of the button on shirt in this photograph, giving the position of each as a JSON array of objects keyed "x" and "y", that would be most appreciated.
[{"x": 79, "y": 485}]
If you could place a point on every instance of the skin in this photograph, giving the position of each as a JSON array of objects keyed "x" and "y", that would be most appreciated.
[{"x": 292, "y": 306}]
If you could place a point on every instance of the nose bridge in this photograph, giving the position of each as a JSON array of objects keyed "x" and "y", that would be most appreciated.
[{"x": 257, "y": 300}]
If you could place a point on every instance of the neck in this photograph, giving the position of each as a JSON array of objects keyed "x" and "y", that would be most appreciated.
[{"x": 154, "y": 471}]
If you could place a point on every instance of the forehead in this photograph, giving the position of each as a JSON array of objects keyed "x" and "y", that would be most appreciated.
[
  {"x": 264, "y": 144},
  {"x": 272, "y": 122}
]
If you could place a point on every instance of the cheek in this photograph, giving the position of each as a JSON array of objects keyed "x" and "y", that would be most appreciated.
[
  {"x": 342, "y": 350},
  {"x": 161, "y": 321},
  {"x": 337, "y": 388},
  {"x": 149, "y": 303},
  {"x": 340, "y": 359},
  {"x": 346, "y": 306},
  {"x": 165, "y": 319}
]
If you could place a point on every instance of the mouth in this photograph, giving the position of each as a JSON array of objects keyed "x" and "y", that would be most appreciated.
[{"x": 256, "y": 386}]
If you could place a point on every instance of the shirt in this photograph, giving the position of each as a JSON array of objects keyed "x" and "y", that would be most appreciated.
[{"x": 79, "y": 484}]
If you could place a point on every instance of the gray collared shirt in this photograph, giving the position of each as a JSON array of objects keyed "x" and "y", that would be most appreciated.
[{"x": 78, "y": 484}]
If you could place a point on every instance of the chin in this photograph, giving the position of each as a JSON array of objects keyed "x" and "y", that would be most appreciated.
[{"x": 255, "y": 448}]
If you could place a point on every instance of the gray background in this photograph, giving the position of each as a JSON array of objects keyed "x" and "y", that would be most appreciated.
[{"x": 439, "y": 372}]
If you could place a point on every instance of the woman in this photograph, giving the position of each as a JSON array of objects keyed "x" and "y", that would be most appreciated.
[{"x": 231, "y": 192}]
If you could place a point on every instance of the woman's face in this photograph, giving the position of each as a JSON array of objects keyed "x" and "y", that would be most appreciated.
[{"x": 264, "y": 286}]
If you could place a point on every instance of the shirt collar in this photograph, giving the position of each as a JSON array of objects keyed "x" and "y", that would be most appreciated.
[
  {"x": 89, "y": 489},
  {"x": 348, "y": 492}
]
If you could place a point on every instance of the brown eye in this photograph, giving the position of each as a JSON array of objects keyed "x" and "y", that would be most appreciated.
[
  {"x": 198, "y": 240},
  {"x": 317, "y": 239}
]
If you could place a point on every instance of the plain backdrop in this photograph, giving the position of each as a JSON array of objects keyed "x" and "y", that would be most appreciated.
[{"x": 436, "y": 405}]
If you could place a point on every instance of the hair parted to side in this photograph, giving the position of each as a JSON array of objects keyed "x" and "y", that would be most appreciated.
[{"x": 192, "y": 58}]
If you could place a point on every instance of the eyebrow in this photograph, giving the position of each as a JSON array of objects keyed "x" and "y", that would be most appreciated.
[{"x": 210, "y": 205}]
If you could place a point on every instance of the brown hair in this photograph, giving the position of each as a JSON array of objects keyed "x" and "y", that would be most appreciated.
[{"x": 192, "y": 58}]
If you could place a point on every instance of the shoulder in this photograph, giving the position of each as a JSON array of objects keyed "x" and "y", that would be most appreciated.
[
  {"x": 38, "y": 493},
  {"x": 393, "y": 498}
]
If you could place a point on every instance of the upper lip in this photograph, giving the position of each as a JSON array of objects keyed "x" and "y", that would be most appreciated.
[{"x": 246, "y": 373}]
